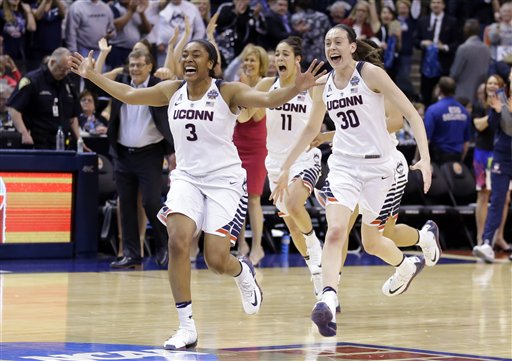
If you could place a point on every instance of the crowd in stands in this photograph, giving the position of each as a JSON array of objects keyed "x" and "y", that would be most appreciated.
[{"x": 463, "y": 45}]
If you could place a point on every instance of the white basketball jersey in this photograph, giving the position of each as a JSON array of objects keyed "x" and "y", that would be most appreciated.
[
  {"x": 360, "y": 119},
  {"x": 203, "y": 132},
  {"x": 286, "y": 122}
]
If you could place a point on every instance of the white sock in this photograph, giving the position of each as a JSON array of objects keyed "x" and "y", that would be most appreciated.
[
  {"x": 311, "y": 239},
  {"x": 331, "y": 299},
  {"x": 185, "y": 317}
]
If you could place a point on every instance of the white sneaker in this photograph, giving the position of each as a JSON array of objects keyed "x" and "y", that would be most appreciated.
[
  {"x": 324, "y": 316},
  {"x": 484, "y": 252},
  {"x": 429, "y": 243},
  {"x": 404, "y": 274},
  {"x": 183, "y": 338},
  {"x": 250, "y": 291}
]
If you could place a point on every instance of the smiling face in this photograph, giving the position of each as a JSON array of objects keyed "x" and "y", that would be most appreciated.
[
  {"x": 139, "y": 68},
  {"x": 285, "y": 60},
  {"x": 492, "y": 85},
  {"x": 338, "y": 48},
  {"x": 195, "y": 61},
  {"x": 251, "y": 65}
]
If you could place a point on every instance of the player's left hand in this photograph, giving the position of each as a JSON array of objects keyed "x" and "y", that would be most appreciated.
[
  {"x": 309, "y": 78},
  {"x": 281, "y": 187}
]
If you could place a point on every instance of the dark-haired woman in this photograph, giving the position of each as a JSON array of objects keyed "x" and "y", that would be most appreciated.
[
  {"x": 361, "y": 167},
  {"x": 208, "y": 187},
  {"x": 284, "y": 124}
]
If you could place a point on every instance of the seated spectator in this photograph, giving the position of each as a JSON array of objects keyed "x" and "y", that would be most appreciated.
[
  {"x": 6, "y": 123},
  {"x": 13, "y": 77},
  {"x": 89, "y": 121}
]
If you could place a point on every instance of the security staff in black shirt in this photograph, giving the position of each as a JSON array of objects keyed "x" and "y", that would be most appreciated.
[{"x": 43, "y": 101}]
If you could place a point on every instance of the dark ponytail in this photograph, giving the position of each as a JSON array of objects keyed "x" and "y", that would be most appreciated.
[{"x": 367, "y": 50}]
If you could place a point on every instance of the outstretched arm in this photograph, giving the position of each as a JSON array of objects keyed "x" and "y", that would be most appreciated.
[
  {"x": 157, "y": 95},
  {"x": 378, "y": 80},
  {"x": 245, "y": 96}
]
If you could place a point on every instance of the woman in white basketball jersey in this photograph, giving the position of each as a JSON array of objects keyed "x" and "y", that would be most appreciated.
[
  {"x": 208, "y": 187},
  {"x": 361, "y": 167},
  {"x": 285, "y": 123}
]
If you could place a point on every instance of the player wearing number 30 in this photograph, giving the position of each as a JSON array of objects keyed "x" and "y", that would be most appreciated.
[
  {"x": 361, "y": 167},
  {"x": 208, "y": 185}
]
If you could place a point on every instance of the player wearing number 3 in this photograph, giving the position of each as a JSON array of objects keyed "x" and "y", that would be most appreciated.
[
  {"x": 361, "y": 167},
  {"x": 208, "y": 185}
]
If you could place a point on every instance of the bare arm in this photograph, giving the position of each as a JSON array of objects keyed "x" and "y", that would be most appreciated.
[
  {"x": 121, "y": 21},
  {"x": 181, "y": 44},
  {"x": 156, "y": 96},
  {"x": 247, "y": 113},
  {"x": 481, "y": 123},
  {"x": 170, "y": 62},
  {"x": 210, "y": 31},
  {"x": 43, "y": 7},
  {"x": 378, "y": 80},
  {"x": 245, "y": 96},
  {"x": 102, "y": 56},
  {"x": 394, "y": 119},
  {"x": 31, "y": 22}
]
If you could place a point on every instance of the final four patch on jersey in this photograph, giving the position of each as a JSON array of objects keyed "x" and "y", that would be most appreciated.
[
  {"x": 212, "y": 94},
  {"x": 354, "y": 81},
  {"x": 23, "y": 82}
]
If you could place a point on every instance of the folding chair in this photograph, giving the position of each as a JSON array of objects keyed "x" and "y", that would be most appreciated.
[{"x": 462, "y": 190}]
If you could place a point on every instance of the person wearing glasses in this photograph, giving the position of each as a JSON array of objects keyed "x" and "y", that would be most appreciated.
[{"x": 139, "y": 138}]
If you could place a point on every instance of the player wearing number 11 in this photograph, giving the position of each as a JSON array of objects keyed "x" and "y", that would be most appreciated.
[
  {"x": 361, "y": 167},
  {"x": 208, "y": 189}
]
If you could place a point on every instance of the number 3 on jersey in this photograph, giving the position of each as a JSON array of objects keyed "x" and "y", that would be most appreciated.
[
  {"x": 193, "y": 135},
  {"x": 286, "y": 121}
]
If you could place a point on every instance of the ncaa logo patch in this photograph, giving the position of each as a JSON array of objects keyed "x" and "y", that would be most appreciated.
[
  {"x": 400, "y": 168},
  {"x": 354, "y": 81},
  {"x": 60, "y": 351}
]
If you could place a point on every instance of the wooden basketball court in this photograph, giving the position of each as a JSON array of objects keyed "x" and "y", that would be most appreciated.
[{"x": 457, "y": 310}]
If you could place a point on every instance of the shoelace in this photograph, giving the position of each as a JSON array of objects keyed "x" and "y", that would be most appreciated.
[{"x": 247, "y": 287}]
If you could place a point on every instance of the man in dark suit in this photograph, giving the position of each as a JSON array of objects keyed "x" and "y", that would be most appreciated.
[
  {"x": 139, "y": 137},
  {"x": 278, "y": 24},
  {"x": 437, "y": 31}
]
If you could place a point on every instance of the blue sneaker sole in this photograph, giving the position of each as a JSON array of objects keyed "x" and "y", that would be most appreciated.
[{"x": 322, "y": 317}]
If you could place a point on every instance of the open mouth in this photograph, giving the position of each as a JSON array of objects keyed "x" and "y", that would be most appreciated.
[
  {"x": 190, "y": 70},
  {"x": 335, "y": 58},
  {"x": 281, "y": 68}
]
